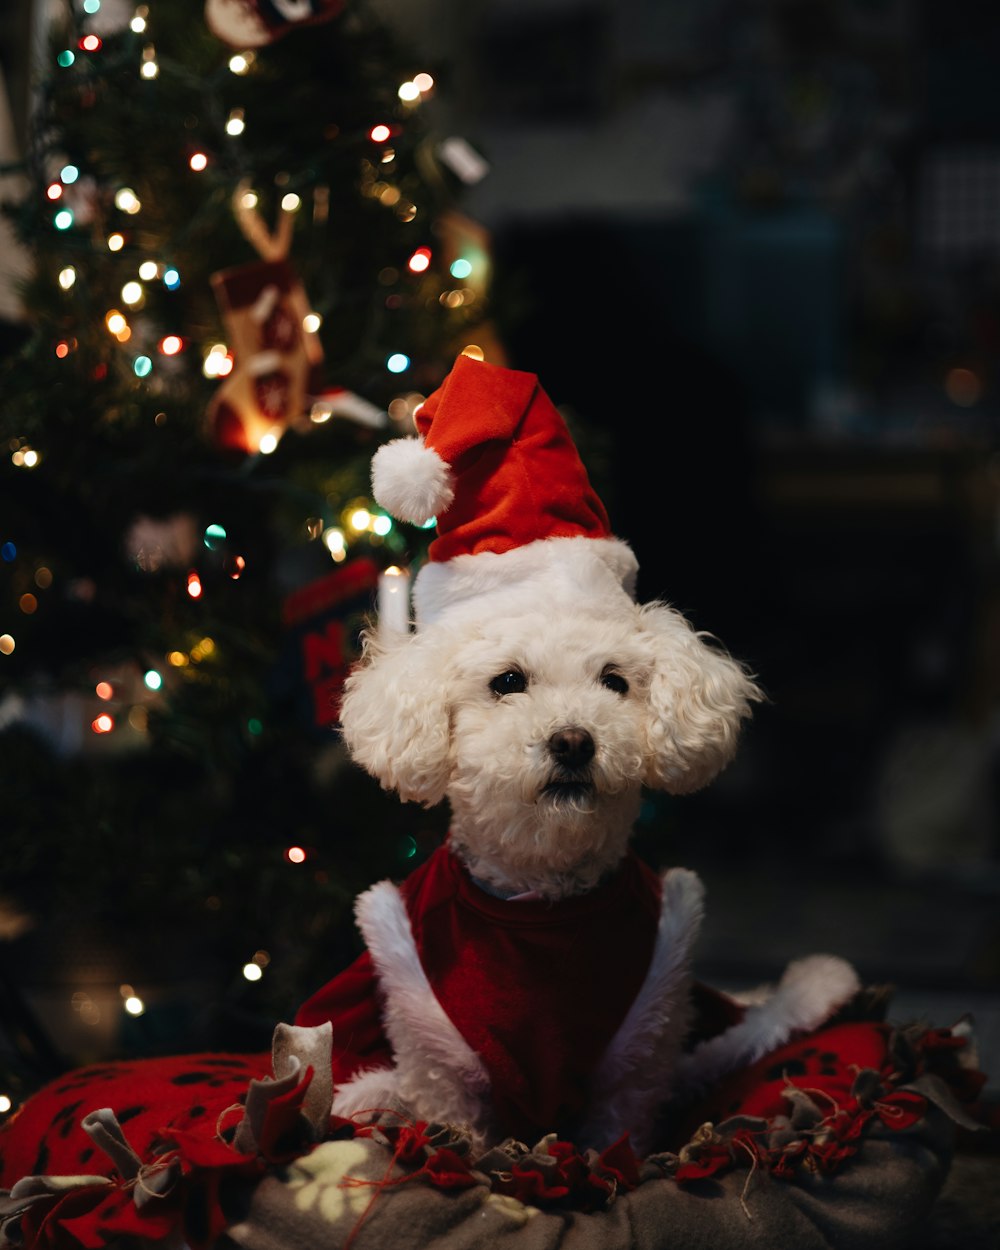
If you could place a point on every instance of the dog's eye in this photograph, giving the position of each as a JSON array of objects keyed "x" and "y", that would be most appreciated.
[
  {"x": 513, "y": 681},
  {"x": 614, "y": 681}
]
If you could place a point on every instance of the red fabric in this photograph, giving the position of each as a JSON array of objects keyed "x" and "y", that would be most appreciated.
[
  {"x": 537, "y": 989},
  {"x": 518, "y": 475}
]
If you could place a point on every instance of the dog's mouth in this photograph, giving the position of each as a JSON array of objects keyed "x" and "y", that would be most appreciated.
[{"x": 565, "y": 792}]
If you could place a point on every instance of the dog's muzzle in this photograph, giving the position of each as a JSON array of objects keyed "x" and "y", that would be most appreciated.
[{"x": 572, "y": 749}]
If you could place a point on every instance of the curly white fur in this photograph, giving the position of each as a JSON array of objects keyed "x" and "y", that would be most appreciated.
[{"x": 420, "y": 715}]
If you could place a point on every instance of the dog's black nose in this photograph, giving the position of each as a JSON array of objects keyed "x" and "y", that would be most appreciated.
[{"x": 573, "y": 748}]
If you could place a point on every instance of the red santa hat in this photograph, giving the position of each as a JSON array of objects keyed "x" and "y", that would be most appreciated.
[{"x": 516, "y": 514}]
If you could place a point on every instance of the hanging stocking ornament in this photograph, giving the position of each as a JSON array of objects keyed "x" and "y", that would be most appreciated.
[
  {"x": 276, "y": 367},
  {"x": 255, "y": 23}
]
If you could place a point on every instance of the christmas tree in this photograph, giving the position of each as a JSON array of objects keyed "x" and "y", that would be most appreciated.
[{"x": 249, "y": 265}]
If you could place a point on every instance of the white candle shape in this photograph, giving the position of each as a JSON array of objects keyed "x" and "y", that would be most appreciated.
[{"x": 394, "y": 601}]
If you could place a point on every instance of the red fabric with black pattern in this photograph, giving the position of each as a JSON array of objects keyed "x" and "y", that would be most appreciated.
[{"x": 148, "y": 1097}]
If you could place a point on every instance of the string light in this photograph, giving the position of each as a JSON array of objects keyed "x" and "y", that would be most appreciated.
[
  {"x": 54, "y": 190},
  {"x": 198, "y": 161},
  {"x": 132, "y": 294},
  {"x": 5, "y": 1104},
  {"x": 28, "y": 603},
  {"x": 149, "y": 67},
  {"x": 69, "y": 174},
  {"x": 398, "y": 363},
  {"x": 62, "y": 349},
  {"x": 295, "y": 855},
  {"x": 134, "y": 1005},
  {"x": 269, "y": 442},
  {"x": 235, "y": 124},
  {"x": 67, "y": 277},
  {"x": 171, "y": 279},
  {"x": 218, "y": 362},
  {"x": 360, "y": 519},
  {"x": 138, "y": 22},
  {"x": 171, "y": 344},
  {"x": 25, "y": 458},
  {"x": 116, "y": 242},
  {"x": 104, "y": 690},
  {"x": 90, "y": 43},
  {"x": 460, "y": 268},
  {"x": 63, "y": 219},
  {"x": 115, "y": 321},
  {"x": 379, "y": 133},
  {"x": 148, "y": 270},
  {"x": 311, "y": 322},
  {"x": 215, "y": 535},
  {"x": 423, "y": 83},
  {"x": 408, "y": 92},
  {"x": 65, "y": 59},
  {"x": 103, "y": 724},
  {"x": 127, "y": 200},
  {"x": 6, "y": 644},
  {"x": 420, "y": 260},
  {"x": 291, "y": 202},
  {"x": 239, "y": 64},
  {"x": 152, "y": 679},
  {"x": 142, "y": 366},
  {"x": 335, "y": 542},
  {"x": 194, "y": 587},
  {"x": 252, "y": 971}
]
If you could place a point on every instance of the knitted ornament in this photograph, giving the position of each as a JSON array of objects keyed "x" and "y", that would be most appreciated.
[{"x": 516, "y": 514}]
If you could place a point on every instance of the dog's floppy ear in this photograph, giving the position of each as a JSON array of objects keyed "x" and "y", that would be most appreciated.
[
  {"x": 394, "y": 717},
  {"x": 699, "y": 696}
]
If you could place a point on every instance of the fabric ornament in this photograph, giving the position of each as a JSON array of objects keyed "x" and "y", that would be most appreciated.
[
  {"x": 256, "y": 23},
  {"x": 276, "y": 359}
]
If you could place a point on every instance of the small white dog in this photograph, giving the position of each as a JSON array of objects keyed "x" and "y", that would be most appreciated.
[{"x": 533, "y": 976}]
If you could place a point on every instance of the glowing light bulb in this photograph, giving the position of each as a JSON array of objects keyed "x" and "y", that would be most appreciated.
[
  {"x": 53, "y": 190},
  {"x": 5, "y": 1104},
  {"x": 148, "y": 270},
  {"x": 104, "y": 690},
  {"x": 408, "y": 92},
  {"x": 115, "y": 321},
  {"x": 291, "y": 202},
  {"x": 65, "y": 59},
  {"x": 474, "y": 350},
  {"x": 379, "y": 133},
  {"x": 252, "y": 971},
  {"x": 360, "y": 519},
  {"x": 198, "y": 161},
  {"x": 194, "y": 587},
  {"x": 423, "y": 83},
  {"x": 420, "y": 260},
  {"x": 138, "y": 23},
  {"x": 63, "y": 219},
  {"x": 295, "y": 855},
  {"x": 398, "y": 363},
  {"x": 249, "y": 199},
  {"x": 152, "y": 679},
  {"x": 460, "y": 268},
  {"x": 116, "y": 242},
  {"x": 67, "y": 277},
  {"x": 335, "y": 542},
  {"x": 235, "y": 124},
  {"x": 69, "y": 174},
  {"x": 311, "y": 322},
  {"x": 6, "y": 644},
  {"x": 134, "y": 1005},
  {"x": 171, "y": 279},
  {"x": 238, "y": 64},
  {"x": 269, "y": 442},
  {"x": 142, "y": 366},
  {"x": 127, "y": 200},
  {"x": 381, "y": 525},
  {"x": 102, "y": 724},
  {"x": 90, "y": 43},
  {"x": 62, "y": 350},
  {"x": 170, "y": 345},
  {"x": 132, "y": 294}
]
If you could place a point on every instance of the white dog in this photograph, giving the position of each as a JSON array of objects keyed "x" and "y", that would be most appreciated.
[{"x": 533, "y": 976}]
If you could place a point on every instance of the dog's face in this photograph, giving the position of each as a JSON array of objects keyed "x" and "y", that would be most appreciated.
[{"x": 541, "y": 731}]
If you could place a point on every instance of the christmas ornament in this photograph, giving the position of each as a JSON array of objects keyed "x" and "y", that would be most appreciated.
[
  {"x": 323, "y": 620},
  {"x": 276, "y": 359},
  {"x": 254, "y": 23}
]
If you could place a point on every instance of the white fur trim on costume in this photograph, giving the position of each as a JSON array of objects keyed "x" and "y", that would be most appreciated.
[
  {"x": 437, "y": 1074},
  {"x": 808, "y": 994},
  {"x": 636, "y": 1073},
  {"x": 593, "y": 571},
  {"x": 411, "y": 481}
]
